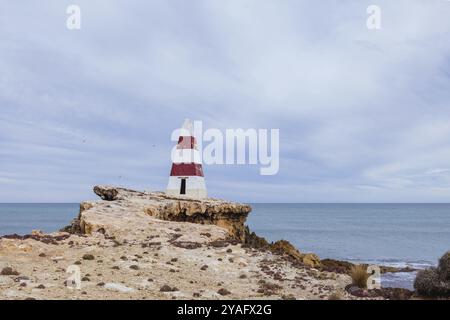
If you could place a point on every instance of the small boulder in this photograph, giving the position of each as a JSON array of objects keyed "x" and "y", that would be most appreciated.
[
  {"x": 107, "y": 193},
  {"x": 167, "y": 288},
  {"x": 8, "y": 271},
  {"x": 223, "y": 292}
]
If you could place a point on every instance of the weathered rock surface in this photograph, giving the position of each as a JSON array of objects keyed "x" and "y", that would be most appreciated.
[
  {"x": 283, "y": 247},
  {"x": 131, "y": 245},
  {"x": 106, "y": 193},
  {"x": 228, "y": 215}
]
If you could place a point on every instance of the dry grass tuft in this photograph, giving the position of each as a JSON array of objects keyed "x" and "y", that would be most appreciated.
[{"x": 359, "y": 276}]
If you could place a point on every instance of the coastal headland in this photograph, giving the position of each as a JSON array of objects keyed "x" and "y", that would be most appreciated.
[{"x": 148, "y": 245}]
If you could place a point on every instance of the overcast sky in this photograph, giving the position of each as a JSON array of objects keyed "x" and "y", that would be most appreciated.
[{"x": 364, "y": 115}]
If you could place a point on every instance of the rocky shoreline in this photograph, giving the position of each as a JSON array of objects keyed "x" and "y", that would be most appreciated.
[{"x": 147, "y": 245}]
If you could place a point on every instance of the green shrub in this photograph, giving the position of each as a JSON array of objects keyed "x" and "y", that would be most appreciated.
[
  {"x": 427, "y": 282},
  {"x": 444, "y": 267},
  {"x": 435, "y": 282}
]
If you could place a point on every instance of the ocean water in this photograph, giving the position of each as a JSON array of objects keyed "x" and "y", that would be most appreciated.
[
  {"x": 23, "y": 218},
  {"x": 399, "y": 235}
]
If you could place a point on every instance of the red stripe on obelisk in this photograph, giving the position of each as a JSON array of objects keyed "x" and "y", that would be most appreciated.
[
  {"x": 186, "y": 169},
  {"x": 186, "y": 142}
]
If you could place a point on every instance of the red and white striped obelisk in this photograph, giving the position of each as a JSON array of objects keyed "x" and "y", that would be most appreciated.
[{"x": 186, "y": 177}]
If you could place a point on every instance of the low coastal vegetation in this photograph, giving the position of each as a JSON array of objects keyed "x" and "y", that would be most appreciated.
[{"x": 435, "y": 282}]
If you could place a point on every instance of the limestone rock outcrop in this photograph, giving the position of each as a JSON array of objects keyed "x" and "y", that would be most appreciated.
[
  {"x": 105, "y": 217},
  {"x": 285, "y": 247},
  {"x": 106, "y": 193},
  {"x": 228, "y": 215}
]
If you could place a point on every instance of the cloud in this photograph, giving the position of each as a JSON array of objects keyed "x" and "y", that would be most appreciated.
[
  {"x": 437, "y": 171},
  {"x": 363, "y": 115}
]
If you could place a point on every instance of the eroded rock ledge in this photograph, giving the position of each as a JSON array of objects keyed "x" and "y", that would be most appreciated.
[
  {"x": 228, "y": 215},
  {"x": 121, "y": 208}
]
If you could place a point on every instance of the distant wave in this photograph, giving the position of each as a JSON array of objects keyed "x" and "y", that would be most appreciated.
[
  {"x": 390, "y": 262},
  {"x": 397, "y": 279}
]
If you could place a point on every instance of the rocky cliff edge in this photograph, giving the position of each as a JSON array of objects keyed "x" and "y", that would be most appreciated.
[{"x": 147, "y": 245}]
